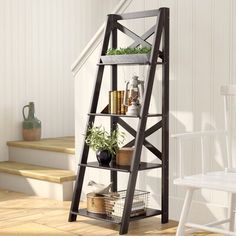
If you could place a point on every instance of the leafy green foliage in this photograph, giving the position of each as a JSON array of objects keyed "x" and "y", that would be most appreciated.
[
  {"x": 122, "y": 51},
  {"x": 99, "y": 139}
]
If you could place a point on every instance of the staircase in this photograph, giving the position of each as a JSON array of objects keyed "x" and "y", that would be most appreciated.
[{"x": 44, "y": 168}]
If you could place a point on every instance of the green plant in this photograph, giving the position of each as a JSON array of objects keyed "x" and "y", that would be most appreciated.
[
  {"x": 121, "y": 51},
  {"x": 99, "y": 139}
]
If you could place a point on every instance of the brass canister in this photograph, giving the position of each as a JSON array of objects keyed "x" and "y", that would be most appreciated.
[{"x": 95, "y": 203}]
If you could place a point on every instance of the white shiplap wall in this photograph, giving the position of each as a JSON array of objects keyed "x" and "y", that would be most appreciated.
[
  {"x": 202, "y": 57},
  {"x": 39, "y": 40}
]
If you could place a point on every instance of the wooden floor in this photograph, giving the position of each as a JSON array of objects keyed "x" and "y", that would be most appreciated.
[{"x": 22, "y": 215}]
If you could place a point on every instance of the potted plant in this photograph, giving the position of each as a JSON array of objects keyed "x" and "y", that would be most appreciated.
[
  {"x": 127, "y": 55},
  {"x": 105, "y": 144}
]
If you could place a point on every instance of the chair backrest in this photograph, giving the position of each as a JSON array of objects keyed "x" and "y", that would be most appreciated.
[{"x": 228, "y": 91}]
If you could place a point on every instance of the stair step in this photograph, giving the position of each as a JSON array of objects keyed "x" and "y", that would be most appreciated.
[
  {"x": 37, "y": 172},
  {"x": 60, "y": 144}
]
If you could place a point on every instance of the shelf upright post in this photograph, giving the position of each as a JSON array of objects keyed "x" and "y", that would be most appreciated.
[
  {"x": 142, "y": 125},
  {"x": 93, "y": 108},
  {"x": 114, "y": 120},
  {"x": 165, "y": 119}
]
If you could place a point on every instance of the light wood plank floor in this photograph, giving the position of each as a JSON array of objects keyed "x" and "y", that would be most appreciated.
[{"x": 22, "y": 215}]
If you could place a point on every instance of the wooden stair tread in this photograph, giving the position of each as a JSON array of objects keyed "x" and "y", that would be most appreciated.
[
  {"x": 37, "y": 172},
  {"x": 60, "y": 144}
]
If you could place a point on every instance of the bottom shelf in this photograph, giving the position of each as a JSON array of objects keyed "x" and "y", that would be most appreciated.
[{"x": 83, "y": 212}]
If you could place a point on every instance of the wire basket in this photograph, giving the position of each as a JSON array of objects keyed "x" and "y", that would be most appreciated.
[{"x": 114, "y": 204}]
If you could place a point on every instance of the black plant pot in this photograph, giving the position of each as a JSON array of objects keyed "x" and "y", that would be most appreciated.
[{"x": 104, "y": 157}]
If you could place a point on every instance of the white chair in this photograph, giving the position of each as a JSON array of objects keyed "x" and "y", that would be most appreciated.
[{"x": 224, "y": 180}]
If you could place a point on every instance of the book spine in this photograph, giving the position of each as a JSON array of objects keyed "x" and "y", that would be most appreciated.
[
  {"x": 118, "y": 102},
  {"x": 122, "y": 106},
  {"x": 109, "y": 104},
  {"x": 114, "y": 102}
]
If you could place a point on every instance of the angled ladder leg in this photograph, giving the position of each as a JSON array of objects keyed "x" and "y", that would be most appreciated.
[
  {"x": 185, "y": 211},
  {"x": 231, "y": 214},
  {"x": 76, "y": 194},
  {"x": 93, "y": 107},
  {"x": 142, "y": 126},
  {"x": 165, "y": 121},
  {"x": 133, "y": 177},
  {"x": 113, "y": 120}
]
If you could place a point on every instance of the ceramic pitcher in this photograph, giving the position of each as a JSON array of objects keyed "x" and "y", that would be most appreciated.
[{"x": 31, "y": 125}]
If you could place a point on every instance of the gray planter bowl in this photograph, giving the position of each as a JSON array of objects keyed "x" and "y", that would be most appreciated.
[{"x": 126, "y": 58}]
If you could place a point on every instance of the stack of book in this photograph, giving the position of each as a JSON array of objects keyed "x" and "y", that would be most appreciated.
[
  {"x": 116, "y": 99},
  {"x": 114, "y": 208}
]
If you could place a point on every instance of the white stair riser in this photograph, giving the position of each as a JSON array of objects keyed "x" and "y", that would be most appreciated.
[
  {"x": 43, "y": 158},
  {"x": 61, "y": 192}
]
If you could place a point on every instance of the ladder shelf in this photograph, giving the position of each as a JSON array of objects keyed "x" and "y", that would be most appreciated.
[{"x": 159, "y": 56}]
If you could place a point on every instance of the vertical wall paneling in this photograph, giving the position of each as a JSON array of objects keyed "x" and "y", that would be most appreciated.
[
  {"x": 39, "y": 40},
  {"x": 203, "y": 80},
  {"x": 221, "y": 75},
  {"x": 2, "y": 66},
  {"x": 183, "y": 49},
  {"x": 232, "y": 59}
]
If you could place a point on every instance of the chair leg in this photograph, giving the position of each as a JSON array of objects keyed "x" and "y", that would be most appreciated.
[
  {"x": 232, "y": 205},
  {"x": 185, "y": 211}
]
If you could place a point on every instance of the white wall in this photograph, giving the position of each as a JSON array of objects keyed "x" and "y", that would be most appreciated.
[
  {"x": 202, "y": 57},
  {"x": 39, "y": 40}
]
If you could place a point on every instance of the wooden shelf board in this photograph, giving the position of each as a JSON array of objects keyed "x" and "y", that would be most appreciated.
[
  {"x": 112, "y": 166},
  {"x": 149, "y": 213}
]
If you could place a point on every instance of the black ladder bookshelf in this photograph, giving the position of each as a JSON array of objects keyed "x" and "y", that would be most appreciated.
[{"x": 159, "y": 55}]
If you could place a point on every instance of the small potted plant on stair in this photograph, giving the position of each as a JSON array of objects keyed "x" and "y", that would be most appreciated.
[
  {"x": 127, "y": 55},
  {"x": 105, "y": 144}
]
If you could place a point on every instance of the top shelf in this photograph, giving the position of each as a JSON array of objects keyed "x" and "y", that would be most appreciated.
[
  {"x": 121, "y": 115},
  {"x": 126, "y": 59},
  {"x": 127, "y": 63}
]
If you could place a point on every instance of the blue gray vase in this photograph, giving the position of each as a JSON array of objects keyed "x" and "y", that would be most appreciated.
[{"x": 31, "y": 125}]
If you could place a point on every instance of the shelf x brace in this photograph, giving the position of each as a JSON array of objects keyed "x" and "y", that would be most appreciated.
[
  {"x": 137, "y": 39},
  {"x": 146, "y": 36},
  {"x": 132, "y": 35},
  {"x": 147, "y": 133}
]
